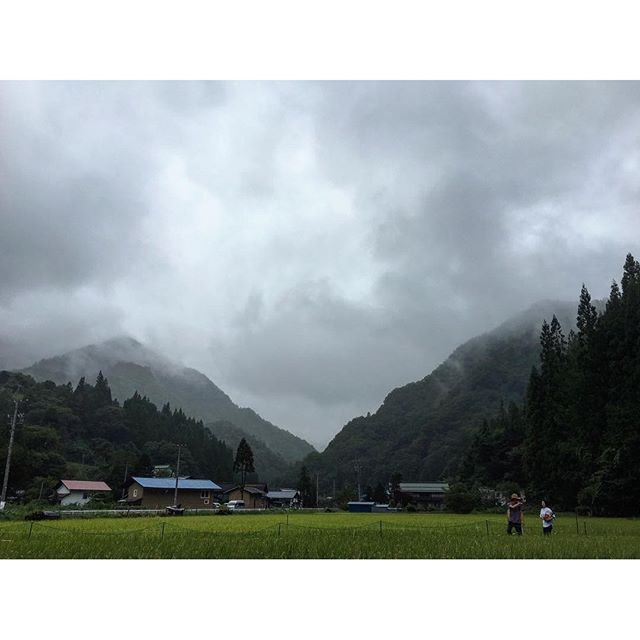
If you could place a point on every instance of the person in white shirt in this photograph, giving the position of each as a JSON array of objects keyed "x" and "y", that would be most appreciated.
[{"x": 547, "y": 515}]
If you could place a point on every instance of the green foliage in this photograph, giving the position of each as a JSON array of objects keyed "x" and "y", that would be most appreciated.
[
  {"x": 495, "y": 453},
  {"x": 580, "y": 446},
  {"x": 83, "y": 434},
  {"x": 307, "y": 489},
  {"x": 460, "y": 499},
  {"x": 270, "y": 466},
  {"x": 243, "y": 462},
  {"x": 379, "y": 494}
]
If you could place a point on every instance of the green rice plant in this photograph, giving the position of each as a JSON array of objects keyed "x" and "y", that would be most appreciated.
[{"x": 319, "y": 535}]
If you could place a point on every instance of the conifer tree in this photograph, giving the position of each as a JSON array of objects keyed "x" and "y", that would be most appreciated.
[
  {"x": 547, "y": 454},
  {"x": 305, "y": 486},
  {"x": 102, "y": 392},
  {"x": 243, "y": 463}
]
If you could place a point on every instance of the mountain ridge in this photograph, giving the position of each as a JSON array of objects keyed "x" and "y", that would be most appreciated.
[
  {"x": 131, "y": 366},
  {"x": 422, "y": 427}
]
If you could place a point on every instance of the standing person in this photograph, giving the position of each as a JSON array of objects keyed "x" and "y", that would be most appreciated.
[
  {"x": 547, "y": 515},
  {"x": 514, "y": 514}
]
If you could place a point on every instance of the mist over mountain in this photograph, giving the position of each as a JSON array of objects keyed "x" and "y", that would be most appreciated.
[
  {"x": 130, "y": 366},
  {"x": 421, "y": 428}
]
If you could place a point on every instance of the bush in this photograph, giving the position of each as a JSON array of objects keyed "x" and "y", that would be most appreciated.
[
  {"x": 101, "y": 501},
  {"x": 460, "y": 499}
]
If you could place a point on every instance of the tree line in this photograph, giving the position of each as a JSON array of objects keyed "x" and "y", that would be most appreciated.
[{"x": 575, "y": 439}]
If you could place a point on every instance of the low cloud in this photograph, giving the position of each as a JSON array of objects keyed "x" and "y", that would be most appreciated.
[{"x": 309, "y": 246}]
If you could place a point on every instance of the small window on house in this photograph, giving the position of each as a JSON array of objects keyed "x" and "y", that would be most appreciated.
[
  {"x": 204, "y": 494},
  {"x": 135, "y": 493}
]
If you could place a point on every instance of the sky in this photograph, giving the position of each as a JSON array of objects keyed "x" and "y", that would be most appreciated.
[{"x": 307, "y": 245}]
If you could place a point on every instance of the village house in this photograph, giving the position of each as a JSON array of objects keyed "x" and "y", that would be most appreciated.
[
  {"x": 80, "y": 491},
  {"x": 426, "y": 494},
  {"x": 254, "y": 495},
  {"x": 284, "y": 499},
  {"x": 158, "y": 493},
  {"x": 163, "y": 471}
]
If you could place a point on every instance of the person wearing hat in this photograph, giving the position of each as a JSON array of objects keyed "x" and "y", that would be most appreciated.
[{"x": 514, "y": 514}]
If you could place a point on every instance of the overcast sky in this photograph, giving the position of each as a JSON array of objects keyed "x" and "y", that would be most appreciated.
[{"x": 309, "y": 246}]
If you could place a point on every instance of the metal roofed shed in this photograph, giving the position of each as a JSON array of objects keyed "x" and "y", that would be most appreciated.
[{"x": 360, "y": 507}]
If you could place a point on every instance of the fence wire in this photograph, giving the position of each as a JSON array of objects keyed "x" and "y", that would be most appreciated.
[{"x": 171, "y": 528}]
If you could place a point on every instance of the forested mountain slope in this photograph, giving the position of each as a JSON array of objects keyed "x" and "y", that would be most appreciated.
[
  {"x": 422, "y": 428},
  {"x": 130, "y": 366}
]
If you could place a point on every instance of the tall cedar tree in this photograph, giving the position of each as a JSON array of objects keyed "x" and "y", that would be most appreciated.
[
  {"x": 102, "y": 392},
  {"x": 307, "y": 490},
  {"x": 243, "y": 463},
  {"x": 547, "y": 449}
]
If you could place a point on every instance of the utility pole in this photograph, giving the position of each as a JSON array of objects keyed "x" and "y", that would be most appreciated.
[
  {"x": 126, "y": 473},
  {"x": 175, "y": 493},
  {"x": 7, "y": 467},
  {"x": 317, "y": 490},
  {"x": 356, "y": 466},
  {"x": 334, "y": 490}
]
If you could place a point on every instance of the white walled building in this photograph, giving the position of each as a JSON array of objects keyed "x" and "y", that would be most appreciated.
[{"x": 79, "y": 491}]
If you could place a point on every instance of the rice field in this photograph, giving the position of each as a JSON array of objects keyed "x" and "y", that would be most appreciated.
[{"x": 318, "y": 535}]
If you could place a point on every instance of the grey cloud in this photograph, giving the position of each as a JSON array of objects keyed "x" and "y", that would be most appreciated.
[{"x": 308, "y": 245}]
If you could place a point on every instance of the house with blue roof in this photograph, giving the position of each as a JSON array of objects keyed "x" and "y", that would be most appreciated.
[{"x": 158, "y": 493}]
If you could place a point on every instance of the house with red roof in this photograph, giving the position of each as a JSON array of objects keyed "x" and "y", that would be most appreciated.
[{"x": 79, "y": 491}]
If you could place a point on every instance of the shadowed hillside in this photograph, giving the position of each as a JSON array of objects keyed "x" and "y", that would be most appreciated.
[
  {"x": 422, "y": 428},
  {"x": 130, "y": 366}
]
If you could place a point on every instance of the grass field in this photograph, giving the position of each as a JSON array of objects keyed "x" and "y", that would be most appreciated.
[{"x": 320, "y": 535}]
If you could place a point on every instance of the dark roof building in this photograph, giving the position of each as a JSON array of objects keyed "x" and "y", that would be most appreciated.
[
  {"x": 254, "y": 495},
  {"x": 284, "y": 498},
  {"x": 428, "y": 494}
]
